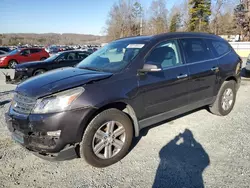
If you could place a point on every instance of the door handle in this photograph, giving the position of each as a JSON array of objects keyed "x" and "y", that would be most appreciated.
[
  {"x": 182, "y": 76},
  {"x": 215, "y": 69}
]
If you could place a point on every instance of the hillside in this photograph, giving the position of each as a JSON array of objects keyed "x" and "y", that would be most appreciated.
[{"x": 49, "y": 38}]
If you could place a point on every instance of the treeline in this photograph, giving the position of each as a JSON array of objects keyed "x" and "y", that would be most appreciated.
[
  {"x": 49, "y": 39},
  {"x": 221, "y": 17}
]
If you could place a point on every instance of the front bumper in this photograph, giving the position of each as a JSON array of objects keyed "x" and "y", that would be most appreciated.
[{"x": 30, "y": 131}]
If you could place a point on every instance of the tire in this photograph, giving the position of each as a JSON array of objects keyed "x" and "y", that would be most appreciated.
[
  {"x": 217, "y": 107},
  {"x": 88, "y": 141},
  {"x": 38, "y": 71},
  {"x": 12, "y": 64},
  {"x": 43, "y": 58}
]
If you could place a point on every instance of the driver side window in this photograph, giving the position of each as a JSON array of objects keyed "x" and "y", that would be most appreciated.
[{"x": 165, "y": 55}]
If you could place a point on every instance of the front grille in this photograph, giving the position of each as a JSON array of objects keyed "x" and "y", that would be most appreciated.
[{"x": 23, "y": 104}]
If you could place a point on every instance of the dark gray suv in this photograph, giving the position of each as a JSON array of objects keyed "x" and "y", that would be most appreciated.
[{"x": 96, "y": 108}]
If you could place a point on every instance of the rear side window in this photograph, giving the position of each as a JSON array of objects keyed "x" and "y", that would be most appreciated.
[
  {"x": 195, "y": 50},
  {"x": 220, "y": 47},
  {"x": 81, "y": 55},
  {"x": 35, "y": 50}
]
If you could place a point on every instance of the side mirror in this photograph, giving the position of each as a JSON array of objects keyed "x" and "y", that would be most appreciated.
[{"x": 149, "y": 67}]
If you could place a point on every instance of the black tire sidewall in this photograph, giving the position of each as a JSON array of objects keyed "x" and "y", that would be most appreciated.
[
  {"x": 39, "y": 70},
  {"x": 86, "y": 150},
  {"x": 226, "y": 85}
]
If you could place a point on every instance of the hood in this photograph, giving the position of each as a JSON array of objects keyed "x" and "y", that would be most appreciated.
[
  {"x": 58, "y": 80},
  {"x": 29, "y": 64}
]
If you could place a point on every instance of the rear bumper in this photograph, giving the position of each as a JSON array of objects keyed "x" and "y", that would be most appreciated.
[{"x": 31, "y": 132}]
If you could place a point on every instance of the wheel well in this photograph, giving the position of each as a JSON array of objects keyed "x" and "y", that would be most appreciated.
[
  {"x": 231, "y": 78},
  {"x": 12, "y": 60},
  {"x": 37, "y": 70},
  {"x": 126, "y": 108}
]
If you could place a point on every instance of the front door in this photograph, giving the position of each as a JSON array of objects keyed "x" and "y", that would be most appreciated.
[
  {"x": 165, "y": 90},
  {"x": 24, "y": 56},
  {"x": 68, "y": 59},
  {"x": 203, "y": 69}
]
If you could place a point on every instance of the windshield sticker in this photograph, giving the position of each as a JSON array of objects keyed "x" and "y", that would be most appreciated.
[{"x": 135, "y": 45}]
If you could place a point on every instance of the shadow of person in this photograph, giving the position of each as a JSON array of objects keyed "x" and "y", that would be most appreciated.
[{"x": 183, "y": 160}]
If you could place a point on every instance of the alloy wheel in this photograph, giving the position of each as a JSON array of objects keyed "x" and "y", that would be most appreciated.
[
  {"x": 227, "y": 99},
  {"x": 109, "y": 139}
]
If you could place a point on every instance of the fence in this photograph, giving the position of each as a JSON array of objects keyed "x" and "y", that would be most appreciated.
[{"x": 242, "y": 48}]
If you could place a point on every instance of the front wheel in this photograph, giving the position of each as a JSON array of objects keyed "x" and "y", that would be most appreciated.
[
  {"x": 39, "y": 71},
  {"x": 107, "y": 138},
  {"x": 225, "y": 99},
  {"x": 12, "y": 64}
]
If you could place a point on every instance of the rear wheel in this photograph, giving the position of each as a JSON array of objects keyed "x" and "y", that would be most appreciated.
[
  {"x": 39, "y": 71},
  {"x": 107, "y": 138},
  {"x": 12, "y": 64},
  {"x": 225, "y": 99}
]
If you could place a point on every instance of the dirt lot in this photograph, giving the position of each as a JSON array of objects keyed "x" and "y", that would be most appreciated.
[{"x": 212, "y": 151}]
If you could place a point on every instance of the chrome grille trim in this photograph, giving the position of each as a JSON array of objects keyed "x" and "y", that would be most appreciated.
[{"x": 22, "y": 104}]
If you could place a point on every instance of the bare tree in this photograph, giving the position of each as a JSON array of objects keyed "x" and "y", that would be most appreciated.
[{"x": 158, "y": 20}]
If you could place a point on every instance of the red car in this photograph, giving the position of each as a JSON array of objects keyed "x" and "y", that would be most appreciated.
[{"x": 21, "y": 56}]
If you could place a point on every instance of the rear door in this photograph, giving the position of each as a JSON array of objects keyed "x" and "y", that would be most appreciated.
[
  {"x": 165, "y": 90},
  {"x": 203, "y": 69},
  {"x": 34, "y": 54}
]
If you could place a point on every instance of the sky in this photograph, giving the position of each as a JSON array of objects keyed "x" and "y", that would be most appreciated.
[{"x": 57, "y": 16}]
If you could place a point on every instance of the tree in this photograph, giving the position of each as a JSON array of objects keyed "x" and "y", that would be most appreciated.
[
  {"x": 222, "y": 18},
  {"x": 242, "y": 17},
  {"x": 175, "y": 22},
  {"x": 137, "y": 16},
  {"x": 158, "y": 20},
  {"x": 124, "y": 19},
  {"x": 200, "y": 11}
]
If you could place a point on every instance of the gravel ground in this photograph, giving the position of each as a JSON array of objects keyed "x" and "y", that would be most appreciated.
[{"x": 195, "y": 150}]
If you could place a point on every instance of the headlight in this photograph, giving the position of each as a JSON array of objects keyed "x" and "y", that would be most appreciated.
[
  {"x": 57, "y": 102},
  {"x": 2, "y": 58},
  {"x": 21, "y": 69}
]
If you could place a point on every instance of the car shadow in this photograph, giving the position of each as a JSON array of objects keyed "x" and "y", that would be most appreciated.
[
  {"x": 182, "y": 162},
  {"x": 6, "y": 92},
  {"x": 144, "y": 131},
  {"x": 2, "y": 103}
]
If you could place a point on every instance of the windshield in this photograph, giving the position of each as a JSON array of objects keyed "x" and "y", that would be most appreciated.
[
  {"x": 53, "y": 57},
  {"x": 112, "y": 57},
  {"x": 13, "y": 52}
]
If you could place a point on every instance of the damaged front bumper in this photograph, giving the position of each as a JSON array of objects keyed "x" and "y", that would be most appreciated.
[{"x": 32, "y": 132}]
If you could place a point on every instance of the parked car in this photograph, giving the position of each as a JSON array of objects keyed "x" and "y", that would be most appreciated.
[
  {"x": 5, "y": 49},
  {"x": 247, "y": 68},
  {"x": 61, "y": 59},
  {"x": 19, "y": 56},
  {"x": 2, "y": 52},
  {"x": 96, "y": 108}
]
